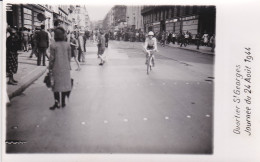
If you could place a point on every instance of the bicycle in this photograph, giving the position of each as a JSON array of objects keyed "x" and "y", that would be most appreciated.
[{"x": 150, "y": 58}]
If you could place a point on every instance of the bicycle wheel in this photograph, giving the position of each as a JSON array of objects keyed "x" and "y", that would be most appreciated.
[{"x": 148, "y": 65}]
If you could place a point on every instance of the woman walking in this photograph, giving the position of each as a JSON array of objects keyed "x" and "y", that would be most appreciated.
[
  {"x": 59, "y": 66},
  {"x": 74, "y": 52},
  {"x": 101, "y": 47},
  {"x": 25, "y": 40},
  {"x": 12, "y": 46}
]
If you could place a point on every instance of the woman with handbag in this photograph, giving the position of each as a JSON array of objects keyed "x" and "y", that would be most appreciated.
[{"x": 59, "y": 68}]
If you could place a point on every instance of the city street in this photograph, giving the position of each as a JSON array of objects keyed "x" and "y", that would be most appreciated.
[{"x": 118, "y": 108}]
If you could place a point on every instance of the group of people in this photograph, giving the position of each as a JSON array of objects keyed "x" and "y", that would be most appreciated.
[
  {"x": 62, "y": 46},
  {"x": 185, "y": 38},
  {"x": 129, "y": 35}
]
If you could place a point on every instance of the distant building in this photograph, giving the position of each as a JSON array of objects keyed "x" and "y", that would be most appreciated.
[
  {"x": 115, "y": 18},
  {"x": 194, "y": 19},
  {"x": 134, "y": 19}
]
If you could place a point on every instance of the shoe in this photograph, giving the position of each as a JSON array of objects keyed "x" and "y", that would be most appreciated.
[
  {"x": 11, "y": 83},
  {"x": 101, "y": 64},
  {"x": 63, "y": 105},
  {"x": 15, "y": 81},
  {"x": 30, "y": 56},
  {"x": 78, "y": 69},
  {"x": 56, "y": 105}
]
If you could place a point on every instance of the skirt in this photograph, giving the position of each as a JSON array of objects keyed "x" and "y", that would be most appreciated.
[{"x": 11, "y": 63}]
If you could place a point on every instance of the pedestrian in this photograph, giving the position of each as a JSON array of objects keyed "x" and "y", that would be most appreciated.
[
  {"x": 173, "y": 38},
  {"x": 50, "y": 40},
  {"x": 205, "y": 39},
  {"x": 87, "y": 34},
  {"x": 81, "y": 47},
  {"x": 186, "y": 38},
  {"x": 12, "y": 46},
  {"x": 67, "y": 36},
  {"x": 25, "y": 39},
  {"x": 198, "y": 38},
  {"x": 106, "y": 39},
  {"x": 182, "y": 39},
  {"x": 190, "y": 38},
  {"x": 169, "y": 38},
  {"x": 74, "y": 52},
  {"x": 163, "y": 38},
  {"x": 85, "y": 38},
  {"x": 137, "y": 36},
  {"x": 42, "y": 45},
  {"x": 59, "y": 68},
  {"x": 101, "y": 47},
  {"x": 212, "y": 43},
  {"x": 34, "y": 44}
]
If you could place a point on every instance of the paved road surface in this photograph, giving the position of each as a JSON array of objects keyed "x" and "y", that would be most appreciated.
[{"x": 118, "y": 108}]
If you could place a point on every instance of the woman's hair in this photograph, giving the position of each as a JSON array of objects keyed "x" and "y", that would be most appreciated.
[{"x": 59, "y": 34}]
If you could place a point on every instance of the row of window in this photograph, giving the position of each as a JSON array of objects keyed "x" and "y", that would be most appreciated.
[{"x": 170, "y": 12}]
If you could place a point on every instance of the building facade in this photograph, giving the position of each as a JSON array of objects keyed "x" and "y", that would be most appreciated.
[
  {"x": 134, "y": 17},
  {"x": 49, "y": 23},
  {"x": 80, "y": 17},
  {"x": 115, "y": 18},
  {"x": 195, "y": 19},
  {"x": 25, "y": 15}
]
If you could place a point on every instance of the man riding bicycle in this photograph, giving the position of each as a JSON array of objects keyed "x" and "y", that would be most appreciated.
[{"x": 150, "y": 46}]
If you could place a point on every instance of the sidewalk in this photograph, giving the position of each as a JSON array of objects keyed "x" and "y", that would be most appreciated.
[
  {"x": 202, "y": 49},
  {"x": 27, "y": 73}
]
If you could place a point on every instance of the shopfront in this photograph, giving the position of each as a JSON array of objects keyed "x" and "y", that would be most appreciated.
[
  {"x": 27, "y": 18},
  {"x": 177, "y": 27},
  {"x": 156, "y": 27},
  {"x": 148, "y": 27},
  {"x": 170, "y": 25},
  {"x": 190, "y": 24}
]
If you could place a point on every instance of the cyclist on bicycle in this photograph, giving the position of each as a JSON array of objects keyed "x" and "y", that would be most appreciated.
[{"x": 150, "y": 46}]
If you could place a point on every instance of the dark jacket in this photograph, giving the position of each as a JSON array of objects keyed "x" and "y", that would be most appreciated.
[{"x": 42, "y": 39}]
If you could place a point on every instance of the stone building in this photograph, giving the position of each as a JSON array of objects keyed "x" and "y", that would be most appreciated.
[
  {"x": 195, "y": 19},
  {"x": 134, "y": 17}
]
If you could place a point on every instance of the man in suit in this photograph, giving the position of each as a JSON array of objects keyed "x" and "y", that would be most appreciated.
[{"x": 42, "y": 45}]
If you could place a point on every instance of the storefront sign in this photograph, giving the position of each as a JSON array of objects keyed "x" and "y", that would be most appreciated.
[
  {"x": 170, "y": 21},
  {"x": 157, "y": 23},
  {"x": 189, "y": 18}
]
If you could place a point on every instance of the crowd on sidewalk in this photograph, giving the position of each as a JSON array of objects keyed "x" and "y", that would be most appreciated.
[
  {"x": 185, "y": 38},
  {"x": 59, "y": 47},
  {"x": 165, "y": 38}
]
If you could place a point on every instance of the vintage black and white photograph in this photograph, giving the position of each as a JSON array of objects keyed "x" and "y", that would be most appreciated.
[{"x": 109, "y": 79}]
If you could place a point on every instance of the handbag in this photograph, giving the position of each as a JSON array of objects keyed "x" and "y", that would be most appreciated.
[
  {"x": 47, "y": 80},
  {"x": 72, "y": 82}
]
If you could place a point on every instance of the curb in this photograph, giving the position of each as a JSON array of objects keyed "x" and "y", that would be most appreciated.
[
  {"x": 194, "y": 50},
  {"x": 27, "y": 82}
]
